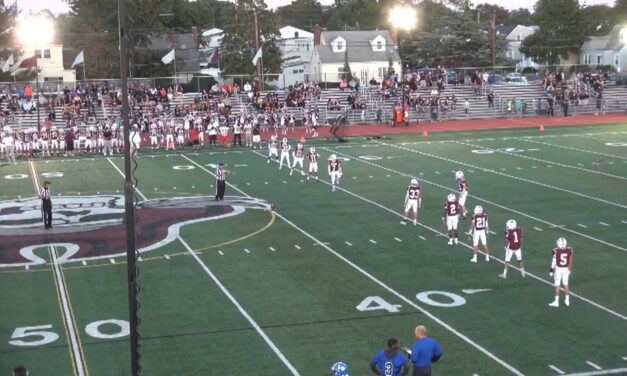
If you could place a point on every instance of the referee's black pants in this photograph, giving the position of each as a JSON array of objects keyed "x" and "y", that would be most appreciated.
[
  {"x": 422, "y": 371},
  {"x": 220, "y": 188},
  {"x": 46, "y": 210},
  {"x": 237, "y": 138}
]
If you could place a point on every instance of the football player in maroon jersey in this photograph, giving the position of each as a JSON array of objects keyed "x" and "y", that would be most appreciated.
[
  {"x": 561, "y": 266},
  {"x": 299, "y": 155},
  {"x": 335, "y": 171},
  {"x": 463, "y": 192},
  {"x": 413, "y": 201},
  {"x": 513, "y": 246},
  {"x": 479, "y": 231},
  {"x": 450, "y": 216},
  {"x": 313, "y": 163}
]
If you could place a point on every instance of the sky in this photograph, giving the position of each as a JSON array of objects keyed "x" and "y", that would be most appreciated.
[{"x": 59, "y": 6}]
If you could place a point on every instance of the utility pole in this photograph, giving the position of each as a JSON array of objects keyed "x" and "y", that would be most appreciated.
[
  {"x": 493, "y": 26},
  {"x": 129, "y": 198},
  {"x": 260, "y": 61}
]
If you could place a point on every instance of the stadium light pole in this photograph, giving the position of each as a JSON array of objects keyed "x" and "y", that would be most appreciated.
[
  {"x": 402, "y": 18},
  {"x": 129, "y": 197},
  {"x": 36, "y": 32}
]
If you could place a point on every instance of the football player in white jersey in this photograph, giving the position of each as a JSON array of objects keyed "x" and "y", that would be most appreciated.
[
  {"x": 313, "y": 163},
  {"x": 463, "y": 192},
  {"x": 272, "y": 148},
  {"x": 479, "y": 231},
  {"x": 299, "y": 155},
  {"x": 413, "y": 200},
  {"x": 335, "y": 171},
  {"x": 285, "y": 153},
  {"x": 450, "y": 216}
]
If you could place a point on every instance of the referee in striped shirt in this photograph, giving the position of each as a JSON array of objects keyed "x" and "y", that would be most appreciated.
[
  {"x": 46, "y": 204},
  {"x": 221, "y": 173}
]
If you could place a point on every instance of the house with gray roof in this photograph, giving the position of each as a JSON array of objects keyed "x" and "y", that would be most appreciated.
[
  {"x": 610, "y": 49},
  {"x": 369, "y": 54},
  {"x": 185, "y": 47}
]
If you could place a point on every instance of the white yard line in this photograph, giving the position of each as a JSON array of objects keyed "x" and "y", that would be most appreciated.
[
  {"x": 448, "y": 189},
  {"x": 241, "y": 309},
  {"x": 556, "y": 369},
  {"x": 595, "y": 366},
  {"x": 380, "y": 283},
  {"x": 506, "y": 175},
  {"x": 398, "y": 240},
  {"x": 297, "y": 246},
  {"x": 372, "y": 241},
  {"x": 604, "y": 224},
  {"x": 123, "y": 176},
  {"x": 72, "y": 330},
  {"x": 550, "y": 283},
  {"x": 598, "y": 373},
  {"x": 272, "y": 249},
  {"x": 537, "y": 228},
  {"x": 579, "y": 166},
  {"x": 349, "y": 243}
]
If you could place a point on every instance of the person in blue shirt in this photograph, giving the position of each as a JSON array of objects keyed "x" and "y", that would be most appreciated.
[
  {"x": 390, "y": 362},
  {"x": 424, "y": 352}
]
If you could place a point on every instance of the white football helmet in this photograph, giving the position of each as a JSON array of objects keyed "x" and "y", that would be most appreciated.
[
  {"x": 451, "y": 197},
  {"x": 478, "y": 209},
  {"x": 511, "y": 224},
  {"x": 459, "y": 174},
  {"x": 273, "y": 137},
  {"x": 284, "y": 139},
  {"x": 413, "y": 181},
  {"x": 561, "y": 243},
  {"x": 333, "y": 157},
  {"x": 313, "y": 149},
  {"x": 299, "y": 145}
]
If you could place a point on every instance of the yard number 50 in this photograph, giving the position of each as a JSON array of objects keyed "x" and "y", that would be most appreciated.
[{"x": 42, "y": 335}]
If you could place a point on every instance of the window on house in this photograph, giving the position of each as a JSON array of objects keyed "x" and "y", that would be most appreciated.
[
  {"x": 340, "y": 72},
  {"x": 379, "y": 45},
  {"x": 46, "y": 54},
  {"x": 518, "y": 38},
  {"x": 599, "y": 59},
  {"x": 616, "y": 60},
  {"x": 43, "y": 54},
  {"x": 296, "y": 34},
  {"x": 586, "y": 59},
  {"x": 340, "y": 46},
  {"x": 383, "y": 71},
  {"x": 53, "y": 79}
]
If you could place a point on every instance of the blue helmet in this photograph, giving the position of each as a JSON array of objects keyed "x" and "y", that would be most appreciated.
[{"x": 339, "y": 369}]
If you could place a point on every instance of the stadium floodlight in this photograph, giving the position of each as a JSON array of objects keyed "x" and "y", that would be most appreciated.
[
  {"x": 403, "y": 17},
  {"x": 35, "y": 30}
]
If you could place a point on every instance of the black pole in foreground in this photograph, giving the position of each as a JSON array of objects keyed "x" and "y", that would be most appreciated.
[{"x": 129, "y": 195}]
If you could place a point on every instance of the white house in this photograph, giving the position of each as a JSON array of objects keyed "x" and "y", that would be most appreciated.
[
  {"x": 514, "y": 43},
  {"x": 610, "y": 49},
  {"x": 369, "y": 54},
  {"x": 50, "y": 63},
  {"x": 297, "y": 47}
]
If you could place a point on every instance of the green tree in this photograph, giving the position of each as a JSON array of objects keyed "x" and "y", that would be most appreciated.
[
  {"x": 619, "y": 12},
  {"x": 455, "y": 40},
  {"x": 7, "y": 37},
  {"x": 596, "y": 20},
  {"x": 347, "y": 73},
  {"x": 521, "y": 16},
  {"x": 357, "y": 15},
  {"x": 562, "y": 31},
  {"x": 486, "y": 11},
  {"x": 238, "y": 43},
  {"x": 303, "y": 14}
]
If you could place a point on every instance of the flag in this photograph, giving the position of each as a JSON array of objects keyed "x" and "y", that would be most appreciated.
[
  {"x": 30, "y": 62},
  {"x": 168, "y": 58},
  {"x": 215, "y": 58},
  {"x": 257, "y": 56},
  {"x": 8, "y": 63},
  {"x": 80, "y": 59}
]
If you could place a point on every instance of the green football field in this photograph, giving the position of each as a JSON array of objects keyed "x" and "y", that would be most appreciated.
[{"x": 232, "y": 288}]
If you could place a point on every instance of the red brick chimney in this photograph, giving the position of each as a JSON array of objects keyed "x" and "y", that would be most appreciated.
[
  {"x": 317, "y": 34},
  {"x": 394, "y": 35}
]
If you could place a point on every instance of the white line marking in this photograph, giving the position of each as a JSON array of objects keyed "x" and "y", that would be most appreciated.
[
  {"x": 474, "y": 291},
  {"x": 448, "y": 189},
  {"x": 296, "y": 246},
  {"x": 375, "y": 280},
  {"x": 112, "y": 261},
  {"x": 246, "y": 250},
  {"x": 506, "y": 175},
  {"x": 595, "y": 366},
  {"x": 121, "y": 173},
  {"x": 272, "y": 249},
  {"x": 167, "y": 257},
  {"x": 67, "y": 314},
  {"x": 241, "y": 309},
  {"x": 140, "y": 259},
  {"x": 581, "y": 225},
  {"x": 556, "y": 369},
  {"x": 625, "y": 358},
  {"x": 27, "y": 267},
  {"x": 625, "y": 222},
  {"x": 422, "y": 237},
  {"x": 492, "y": 232},
  {"x": 596, "y": 373},
  {"x": 603, "y": 224},
  {"x": 84, "y": 262},
  {"x": 398, "y": 240},
  {"x": 348, "y": 243},
  {"x": 537, "y": 228},
  {"x": 550, "y": 283},
  {"x": 221, "y": 253},
  {"x": 571, "y": 148},
  {"x": 372, "y": 241}
]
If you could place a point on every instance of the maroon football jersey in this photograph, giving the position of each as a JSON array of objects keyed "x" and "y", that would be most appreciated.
[
  {"x": 299, "y": 152},
  {"x": 480, "y": 221},
  {"x": 463, "y": 185},
  {"x": 452, "y": 208},
  {"x": 313, "y": 157},
  {"x": 413, "y": 192},
  {"x": 514, "y": 238},
  {"x": 335, "y": 165},
  {"x": 562, "y": 256}
]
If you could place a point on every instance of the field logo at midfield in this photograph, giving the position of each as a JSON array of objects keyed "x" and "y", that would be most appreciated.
[{"x": 92, "y": 227}]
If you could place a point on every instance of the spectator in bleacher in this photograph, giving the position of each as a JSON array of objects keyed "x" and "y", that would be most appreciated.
[{"x": 491, "y": 100}]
